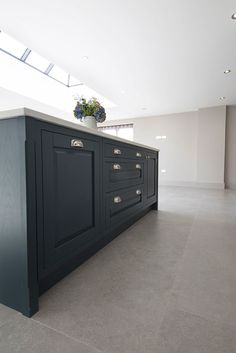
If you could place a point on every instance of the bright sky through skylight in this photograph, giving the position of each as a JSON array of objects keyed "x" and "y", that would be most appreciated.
[
  {"x": 48, "y": 84},
  {"x": 37, "y": 61},
  {"x": 59, "y": 74}
]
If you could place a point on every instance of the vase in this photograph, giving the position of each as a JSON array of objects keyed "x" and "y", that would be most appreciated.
[{"x": 90, "y": 122}]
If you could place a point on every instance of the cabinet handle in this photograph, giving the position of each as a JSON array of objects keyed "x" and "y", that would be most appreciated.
[
  {"x": 138, "y": 192},
  {"x": 116, "y": 151},
  {"x": 116, "y": 166},
  {"x": 138, "y": 154},
  {"x": 117, "y": 199},
  {"x": 147, "y": 157},
  {"x": 76, "y": 143},
  {"x": 138, "y": 166}
]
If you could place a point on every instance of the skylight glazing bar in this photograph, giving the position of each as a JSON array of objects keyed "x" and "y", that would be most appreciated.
[
  {"x": 26, "y": 54},
  {"x": 77, "y": 84},
  {"x": 48, "y": 69}
]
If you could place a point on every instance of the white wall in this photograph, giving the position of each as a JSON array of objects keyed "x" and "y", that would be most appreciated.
[
  {"x": 230, "y": 155},
  {"x": 193, "y": 153},
  {"x": 211, "y": 146}
]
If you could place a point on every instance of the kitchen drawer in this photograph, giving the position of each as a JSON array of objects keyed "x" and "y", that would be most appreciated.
[
  {"x": 123, "y": 151},
  {"x": 122, "y": 204},
  {"x": 122, "y": 173}
]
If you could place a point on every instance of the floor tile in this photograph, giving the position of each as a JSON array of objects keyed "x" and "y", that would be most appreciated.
[
  {"x": 182, "y": 332},
  {"x": 25, "y": 336},
  {"x": 205, "y": 284},
  {"x": 7, "y": 314}
]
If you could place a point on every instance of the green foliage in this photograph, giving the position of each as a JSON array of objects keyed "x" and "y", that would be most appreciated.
[{"x": 88, "y": 108}]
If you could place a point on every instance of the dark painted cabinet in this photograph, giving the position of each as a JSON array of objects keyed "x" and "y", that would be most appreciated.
[{"x": 65, "y": 194}]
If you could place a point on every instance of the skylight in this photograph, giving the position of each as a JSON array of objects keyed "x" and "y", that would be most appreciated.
[
  {"x": 19, "y": 51},
  {"x": 30, "y": 75},
  {"x": 37, "y": 61},
  {"x": 73, "y": 81},
  {"x": 59, "y": 75},
  {"x": 11, "y": 46}
]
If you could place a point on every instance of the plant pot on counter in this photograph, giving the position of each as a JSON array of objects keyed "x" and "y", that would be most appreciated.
[{"x": 90, "y": 122}]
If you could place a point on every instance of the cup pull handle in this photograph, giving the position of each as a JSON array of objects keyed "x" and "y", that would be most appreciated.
[
  {"x": 117, "y": 151},
  {"x": 116, "y": 166},
  {"x": 77, "y": 143},
  {"x": 117, "y": 199}
]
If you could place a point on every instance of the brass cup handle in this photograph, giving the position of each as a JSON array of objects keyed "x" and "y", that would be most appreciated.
[
  {"x": 77, "y": 143},
  {"x": 117, "y": 199},
  {"x": 116, "y": 166},
  {"x": 138, "y": 154},
  {"x": 138, "y": 166},
  {"x": 138, "y": 192},
  {"x": 117, "y": 151}
]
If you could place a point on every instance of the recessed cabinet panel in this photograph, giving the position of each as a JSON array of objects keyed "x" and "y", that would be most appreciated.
[
  {"x": 151, "y": 177},
  {"x": 74, "y": 211},
  {"x": 71, "y": 195}
]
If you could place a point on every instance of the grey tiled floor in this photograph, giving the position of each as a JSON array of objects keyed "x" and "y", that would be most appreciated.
[{"x": 166, "y": 285}]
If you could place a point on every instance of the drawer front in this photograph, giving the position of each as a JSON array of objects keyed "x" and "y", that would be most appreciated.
[
  {"x": 123, "y": 151},
  {"x": 122, "y": 173},
  {"x": 122, "y": 204}
]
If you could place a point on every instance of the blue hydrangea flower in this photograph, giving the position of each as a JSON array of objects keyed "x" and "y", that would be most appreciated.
[
  {"x": 78, "y": 112},
  {"x": 100, "y": 115}
]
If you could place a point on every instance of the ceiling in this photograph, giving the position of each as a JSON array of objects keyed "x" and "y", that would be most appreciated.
[{"x": 149, "y": 57}]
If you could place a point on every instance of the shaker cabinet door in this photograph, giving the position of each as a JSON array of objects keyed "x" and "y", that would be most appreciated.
[
  {"x": 151, "y": 177},
  {"x": 70, "y": 195}
]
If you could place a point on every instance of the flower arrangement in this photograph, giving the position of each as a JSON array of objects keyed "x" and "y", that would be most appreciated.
[{"x": 89, "y": 107}]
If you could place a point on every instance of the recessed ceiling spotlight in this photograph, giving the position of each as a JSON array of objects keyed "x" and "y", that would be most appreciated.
[
  {"x": 233, "y": 16},
  {"x": 227, "y": 71},
  {"x": 222, "y": 98},
  {"x": 85, "y": 57},
  {"x": 122, "y": 91}
]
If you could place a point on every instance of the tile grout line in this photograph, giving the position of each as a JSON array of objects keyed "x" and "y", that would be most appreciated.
[
  {"x": 214, "y": 321},
  {"x": 178, "y": 267},
  {"x": 66, "y": 335}
]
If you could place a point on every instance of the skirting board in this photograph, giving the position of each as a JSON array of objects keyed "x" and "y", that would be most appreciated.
[
  {"x": 190, "y": 184},
  {"x": 231, "y": 186}
]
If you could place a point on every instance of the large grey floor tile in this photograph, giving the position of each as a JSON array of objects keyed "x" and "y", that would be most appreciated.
[
  {"x": 206, "y": 282},
  {"x": 25, "y": 336},
  {"x": 116, "y": 300},
  {"x": 186, "y": 333},
  {"x": 7, "y": 314}
]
